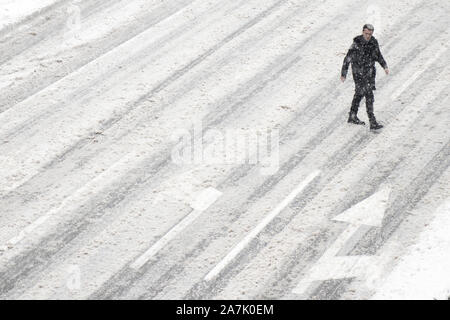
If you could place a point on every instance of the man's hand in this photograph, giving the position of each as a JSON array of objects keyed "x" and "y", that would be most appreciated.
[
  {"x": 386, "y": 70},
  {"x": 342, "y": 79}
]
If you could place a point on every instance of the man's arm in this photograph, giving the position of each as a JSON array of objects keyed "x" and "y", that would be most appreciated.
[
  {"x": 381, "y": 60},
  {"x": 348, "y": 58}
]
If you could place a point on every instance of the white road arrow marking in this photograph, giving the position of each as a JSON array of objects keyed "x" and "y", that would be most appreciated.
[
  {"x": 241, "y": 245},
  {"x": 205, "y": 199},
  {"x": 368, "y": 213}
]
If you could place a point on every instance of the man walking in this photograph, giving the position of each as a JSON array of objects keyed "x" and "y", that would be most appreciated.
[{"x": 363, "y": 54}]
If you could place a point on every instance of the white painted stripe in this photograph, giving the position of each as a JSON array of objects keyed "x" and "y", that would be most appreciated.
[
  {"x": 241, "y": 245},
  {"x": 205, "y": 199}
]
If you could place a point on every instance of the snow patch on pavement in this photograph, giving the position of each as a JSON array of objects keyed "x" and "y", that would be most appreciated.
[
  {"x": 423, "y": 272},
  {"x": 12, "y": 11}
]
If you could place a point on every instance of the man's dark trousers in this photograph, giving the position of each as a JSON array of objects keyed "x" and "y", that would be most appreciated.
[{"x": 366, "y": 92}]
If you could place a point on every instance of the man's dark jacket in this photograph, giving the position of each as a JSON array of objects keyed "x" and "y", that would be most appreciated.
[{"x": 363, "y": 55}]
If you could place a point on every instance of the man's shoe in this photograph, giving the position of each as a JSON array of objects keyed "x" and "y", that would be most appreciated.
[
  {"x": 354, "y": 119},
  {"x": 375, "y": 126}
]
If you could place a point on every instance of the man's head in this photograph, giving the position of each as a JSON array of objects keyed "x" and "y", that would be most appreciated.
[{"x": 368, "y": 31}]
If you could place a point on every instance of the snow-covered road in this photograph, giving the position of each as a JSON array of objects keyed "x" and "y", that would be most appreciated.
[{"x": 98, "y": 199}]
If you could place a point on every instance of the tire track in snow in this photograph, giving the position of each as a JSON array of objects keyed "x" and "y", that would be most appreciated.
[
  {"x": 85, "y": 54},
  {"x": 19, "y": 38}
]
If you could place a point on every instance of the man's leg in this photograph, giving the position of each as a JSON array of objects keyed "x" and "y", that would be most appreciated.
[
  {"x": 356, "y": 101},
  {"x": 354, "y": 109},
  {"x": 369, "y": 106}
]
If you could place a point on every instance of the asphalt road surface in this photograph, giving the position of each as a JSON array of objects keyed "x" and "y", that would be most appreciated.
[{"x": 122, "y": 169}]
